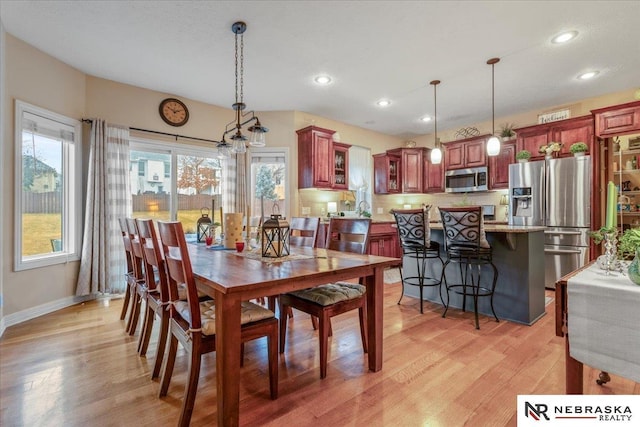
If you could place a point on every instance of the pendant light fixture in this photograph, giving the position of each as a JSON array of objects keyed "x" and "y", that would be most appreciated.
[
  {"x": 493, "y": 144},
  {"x": 436, "y": 153},
  {"x": 237, "y": 144}
]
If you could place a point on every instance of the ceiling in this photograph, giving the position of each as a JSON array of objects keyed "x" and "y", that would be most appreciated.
[{"x": 372, "y": 50}]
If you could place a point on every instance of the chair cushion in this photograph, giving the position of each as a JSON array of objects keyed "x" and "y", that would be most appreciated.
[
  {"x": 250, "y": 312},
  {"x": 331, "y": 293}
]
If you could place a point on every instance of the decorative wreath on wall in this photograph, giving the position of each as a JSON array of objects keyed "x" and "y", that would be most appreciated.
[{"x": 467, "y": 132}]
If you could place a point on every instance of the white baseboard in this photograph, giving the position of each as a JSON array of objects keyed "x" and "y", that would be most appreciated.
[{"x": 33, "y": 312}]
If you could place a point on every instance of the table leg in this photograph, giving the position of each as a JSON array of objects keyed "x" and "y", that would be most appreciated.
[
  {"x": 375, "y": 285},
  {"x": 228, "y": 359},
  {"x": 573, "y": 379}
]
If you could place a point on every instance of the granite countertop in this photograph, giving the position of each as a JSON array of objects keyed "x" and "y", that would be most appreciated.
[{"x": 500, "y": 228}]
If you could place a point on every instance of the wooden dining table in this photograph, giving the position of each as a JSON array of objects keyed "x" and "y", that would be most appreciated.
[{"x": 231, "y": 278}]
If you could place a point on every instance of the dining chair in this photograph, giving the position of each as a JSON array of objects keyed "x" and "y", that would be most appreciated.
[
  {"x": 326, "y": 301},
  {"x": 157, "y": 297},
  {"x": 124, "y": 230},
  {"x": 467, "y": 246},
  {"x": 138, "y": 292},
  {"x": 303, "y": 233},
  {"x": 193, "y": 323}
]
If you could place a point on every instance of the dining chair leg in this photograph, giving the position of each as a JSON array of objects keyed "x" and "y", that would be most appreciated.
[
  {"x": 162, "y": 344},
  {"x": 132, "y": 303},
  {"x": 363, "y": 332},
  {"x": 323, "y": 337},
  {"x": 125, "y": 304},
  {"x": 168, "y": 366},
  {"x": 191, "y": 388},
  {"x": 147, "y": 328},
  {"x": 135, "y": 314},
  {"x": 314, "y": 323}
]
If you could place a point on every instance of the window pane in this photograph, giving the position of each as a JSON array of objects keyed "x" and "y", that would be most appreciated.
[
  {"x": 268, "y": 185},
  {"x": 150, "y": 185},
  {"x": 42, "y": 199},
  {"x": 198, "y": 182}
]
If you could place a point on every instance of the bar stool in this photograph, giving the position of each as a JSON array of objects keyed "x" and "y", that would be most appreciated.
[
  {"x": 416, "y": 244},
  {"x": 467, "y": 246}
]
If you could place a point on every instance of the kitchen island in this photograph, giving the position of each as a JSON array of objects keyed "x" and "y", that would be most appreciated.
[{"x": 518, "y": 254}]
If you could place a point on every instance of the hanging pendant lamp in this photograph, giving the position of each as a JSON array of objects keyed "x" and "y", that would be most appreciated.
[
  {"x": 493, "y": 144},
  {"x": 238, "y": 144},
  {"x": 436, "y": 153}
]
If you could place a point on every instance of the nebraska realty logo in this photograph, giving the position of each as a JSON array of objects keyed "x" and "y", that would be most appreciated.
[{"x": 578, "y": 410}]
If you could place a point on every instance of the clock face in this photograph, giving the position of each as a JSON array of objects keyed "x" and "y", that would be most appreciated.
[{"x": 174, "y": 112}]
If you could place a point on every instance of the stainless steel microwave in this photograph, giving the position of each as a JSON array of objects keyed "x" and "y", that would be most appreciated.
[{"x": 466, "y": 180}]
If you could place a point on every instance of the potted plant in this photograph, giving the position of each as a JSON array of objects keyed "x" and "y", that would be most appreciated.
[
  {"x": 550, "y": 149},
  {"x": 506, "y": 131},
  {"x": 523, "y": 156},
  {"x": 578, "y": 149}
]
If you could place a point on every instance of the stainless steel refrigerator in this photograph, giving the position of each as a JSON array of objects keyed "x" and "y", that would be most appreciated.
[{"x": 555, "y": 193}]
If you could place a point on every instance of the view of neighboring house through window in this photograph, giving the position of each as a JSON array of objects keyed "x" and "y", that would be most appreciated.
[
  {"x": 187, "y": 194},
  {"x": 48, "y": 196}
]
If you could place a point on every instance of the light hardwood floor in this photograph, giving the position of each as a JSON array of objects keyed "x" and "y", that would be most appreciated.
[{"x": 77, "y": 367}]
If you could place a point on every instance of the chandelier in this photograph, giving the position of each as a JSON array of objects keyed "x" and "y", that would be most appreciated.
[{"x": 237, "y": 143}]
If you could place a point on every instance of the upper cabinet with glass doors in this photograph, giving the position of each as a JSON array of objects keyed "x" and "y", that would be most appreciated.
[{"x": 322, "y": 163}]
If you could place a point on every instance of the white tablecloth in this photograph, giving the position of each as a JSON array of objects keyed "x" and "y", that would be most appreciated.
[{"x": 604, "y": 322}]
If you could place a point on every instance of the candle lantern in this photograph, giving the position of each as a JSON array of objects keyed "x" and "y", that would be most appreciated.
[
  {"x": 204, "y": 228},
  {"x": 275, "y": 237}
]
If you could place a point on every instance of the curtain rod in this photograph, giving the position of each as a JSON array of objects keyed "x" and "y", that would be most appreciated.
[{"x": 176, "y": 136}]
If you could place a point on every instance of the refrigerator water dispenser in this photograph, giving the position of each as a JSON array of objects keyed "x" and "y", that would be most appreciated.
[{"x": 522, "y": 202}]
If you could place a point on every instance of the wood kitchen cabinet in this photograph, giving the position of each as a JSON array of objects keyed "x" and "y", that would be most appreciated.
[
  {"x": 340, "y": 166},
  {"x": 579, "y": 129},
  {"x": 499, "y": 165},
  {"x": 433, "y": 175},
  {"x": 383, "y": 240},
  {"x": 466, "y": 153},
  {"x": 387, "y": 173},
  {"x": 617, "y": 120},
  {"x": 411, "y": 168},
  {"x": 322, "y": 163}
]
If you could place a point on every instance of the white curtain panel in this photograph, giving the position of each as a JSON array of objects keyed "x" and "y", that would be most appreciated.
[
  {"x": 229, "y": 179},
  {"x": 241, "y": 183},
  {"x": 103, "y": 264}
]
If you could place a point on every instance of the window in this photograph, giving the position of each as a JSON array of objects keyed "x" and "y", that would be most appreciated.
[
  {"x": 184, "y": 195},
  {"x": 48, "y": 193},
  {"x": 269, "y": 186}
]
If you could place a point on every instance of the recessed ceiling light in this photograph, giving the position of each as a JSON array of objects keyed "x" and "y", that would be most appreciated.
[
  {"x": 564, "y": 37},
  {"x": 588, "y": 75},
  {"x": 426, "y": 119},
  {"x": 322, "y": 79},
  {"x": 383, "y": 103}
]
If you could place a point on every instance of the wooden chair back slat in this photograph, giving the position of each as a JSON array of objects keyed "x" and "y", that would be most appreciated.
[
  {"x": 303, "y": 232},
  {"x": 349, "y": 235}
]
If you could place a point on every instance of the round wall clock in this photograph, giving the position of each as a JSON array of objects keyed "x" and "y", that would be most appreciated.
[{"x": 174, "y": 112}]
